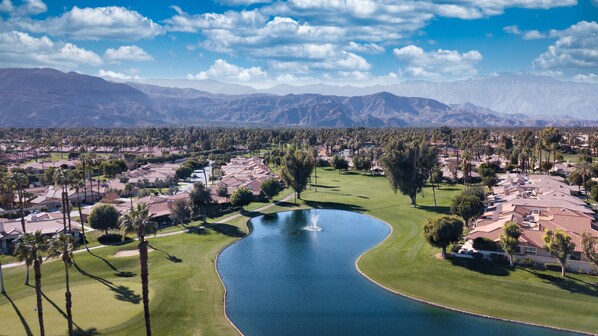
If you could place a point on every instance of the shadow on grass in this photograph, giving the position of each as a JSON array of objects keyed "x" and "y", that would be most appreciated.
[
  {"x": 197, "y": 230},
  {"x": 286, "y": 204},
  {"x": 86, "y": 332},
  {"x": 125, "y": 274},
  {"x": 113, "y": 239},
  {"x": 169, "y": 256},
  {"x": 447, "y": 188},
  {"x": 227, "y": 230},
  {"x": 568, "y": 283},
  {"x": 122, "y": 293},
  {"x": 484, "y": 267},
  {"x": 445, "y": 210},
  {"x": 323, "y": 186},
  {"x": 21, "y": 318},
  {"x": 335, "y": 205},
  {"x": 104, "y": 260}
]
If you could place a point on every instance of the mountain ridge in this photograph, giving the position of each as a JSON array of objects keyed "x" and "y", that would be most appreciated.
[{"x": 50, "y": 98}]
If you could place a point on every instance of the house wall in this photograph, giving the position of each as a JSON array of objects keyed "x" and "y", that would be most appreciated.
[{"x": 572, "y": 265}]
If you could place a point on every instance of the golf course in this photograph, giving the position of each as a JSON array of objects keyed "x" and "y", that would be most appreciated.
[{"x": 187, "y": 296}]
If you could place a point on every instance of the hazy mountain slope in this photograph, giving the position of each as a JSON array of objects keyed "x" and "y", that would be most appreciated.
[
  {"x": 50, "y": 98},
  {"x": 506, "y": 93}
]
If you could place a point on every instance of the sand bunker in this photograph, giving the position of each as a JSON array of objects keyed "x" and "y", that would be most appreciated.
[{"x": 130, "y": 253}]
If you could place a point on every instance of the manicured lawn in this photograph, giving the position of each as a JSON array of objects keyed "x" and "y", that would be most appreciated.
[{"x": 188, "y": 296}]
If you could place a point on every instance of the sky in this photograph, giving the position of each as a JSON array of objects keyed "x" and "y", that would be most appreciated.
[{"x": 263, "y": 43}]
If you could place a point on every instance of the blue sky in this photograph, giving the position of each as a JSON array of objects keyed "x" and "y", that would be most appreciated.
[{"x": 268, "y": 42}]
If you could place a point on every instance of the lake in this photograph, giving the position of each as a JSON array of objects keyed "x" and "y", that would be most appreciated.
[{"x": 285, "y": 280}]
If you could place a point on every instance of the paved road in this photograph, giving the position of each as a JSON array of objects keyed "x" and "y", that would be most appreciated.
[{"x": 227, "y": 219}]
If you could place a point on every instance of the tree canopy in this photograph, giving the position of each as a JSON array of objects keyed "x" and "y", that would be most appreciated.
[
  {"x": 241, "y": 197},
  {"x": 558, "y": 243},
  {"x": 467, "y": 207},
  {"x": 103, "y": 217},
  {"x": 443, "y": 231},
  {"x": 297, "y": 167},
  {"x": 509, "y": 239}
]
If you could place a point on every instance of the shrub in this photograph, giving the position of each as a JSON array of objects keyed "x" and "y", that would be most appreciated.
[
  {"x": 553, "y": 267},
  {"x": 485, "y": 244}
]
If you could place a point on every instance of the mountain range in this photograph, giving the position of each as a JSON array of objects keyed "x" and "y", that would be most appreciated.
[
  {"x": 50, "y": 98},
  {"x": 525, "y": 93}
]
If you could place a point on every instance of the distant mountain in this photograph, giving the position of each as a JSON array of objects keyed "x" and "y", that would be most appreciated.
[
  {"x": 50, "y": 98},
  {"x": 537, "y": 96}
]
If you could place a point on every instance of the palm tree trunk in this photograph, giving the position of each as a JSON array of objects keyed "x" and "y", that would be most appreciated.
[
  {"x": 27, "y": 264},
  {"x": 68, "y": 298},
  {"x": 434, "y": 192},
  {"x": 563, "y": 268},
  {"x": 2, "y": 290},
  {"x": 82, "y": 225},
  {"x": 144, "y": 284},
  {"x": 38, "y": 294},
  {"x": 24, "y": 231}
]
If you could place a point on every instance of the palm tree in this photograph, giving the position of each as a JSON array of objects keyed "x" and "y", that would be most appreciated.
[
  {"x": 30, "y": 248},
  {"x": 584, "y": 170},
  {"x": 63, "y": 245},
  {"x": 139, "y": 221},
  {"x": 19, "y": 182},
  {"x": 200, "y": 197},
  {"x": 77, "y": 180}
]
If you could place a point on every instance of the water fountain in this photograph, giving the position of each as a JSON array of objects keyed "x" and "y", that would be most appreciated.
[{"x": 314, "y": 223}]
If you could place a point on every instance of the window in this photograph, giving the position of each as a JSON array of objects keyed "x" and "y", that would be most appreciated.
[{"x": 530, "y": 250}]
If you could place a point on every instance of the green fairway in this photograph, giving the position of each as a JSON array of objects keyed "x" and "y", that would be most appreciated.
[
  {"x": 90, "y": 301},
  {"x": 188, "y": 295}
]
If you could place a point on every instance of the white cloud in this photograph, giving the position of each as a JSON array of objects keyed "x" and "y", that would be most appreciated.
[
  {"x": 353, "y": 62},
  {"x": 576, "y": 47},
  {"x": 28, "y": 7},
  {"x": 475, "y": 9},
  {"x": 116, "y": 75},
  {"x": 294, "y": 67},
  {"x": 533, "y": 35},
  {"x": 514, "y": 29},
  {"x": 313, "y": 33},
  {"x": 127, "y": 53},
  {"x": 6, "y": 6},
  {"x": 549, "y": 73},
  {"x": 243, "y": 2},
  {"x": 438, "y": 64},
  {"x": 101, "y": 23},
  {"x": 21, "y": 49},
  {"x": 367, "y": 48},
  {"x": 526, "y": 35},
  {"x": 222, "y": 70},
  {"x": 590, "y": 78},
  {"x": 354, "y": 75}
]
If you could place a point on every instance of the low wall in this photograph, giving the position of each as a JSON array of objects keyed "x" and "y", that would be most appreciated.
[{"x": 572, "y": 265}]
